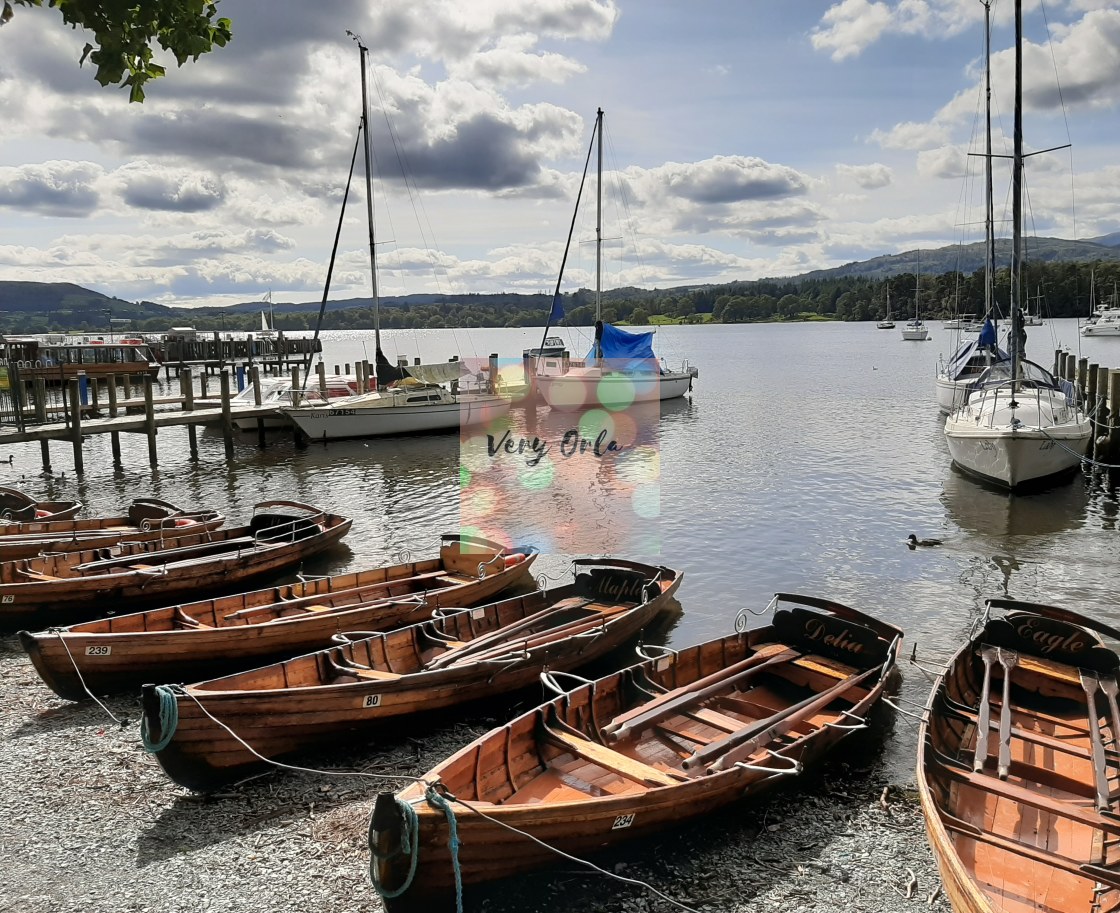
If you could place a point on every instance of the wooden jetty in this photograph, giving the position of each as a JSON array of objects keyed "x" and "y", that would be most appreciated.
[{"x": 89, "y": 406}]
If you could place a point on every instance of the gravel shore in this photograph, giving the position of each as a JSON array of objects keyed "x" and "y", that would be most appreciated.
[{"x": 90, "y": 823}]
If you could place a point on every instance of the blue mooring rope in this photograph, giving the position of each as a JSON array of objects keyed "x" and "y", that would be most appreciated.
[
  {"x": 410, "y": 836},
  {"x": 437, "y": 800},
  {"x": 168, "y": 720}
]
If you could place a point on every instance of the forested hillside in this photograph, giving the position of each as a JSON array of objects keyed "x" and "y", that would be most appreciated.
[{"x": 1062, "y": 287}]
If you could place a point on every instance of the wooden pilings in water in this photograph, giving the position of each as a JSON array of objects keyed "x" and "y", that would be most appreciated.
[
  {"x": 1099, "y": 388},
  {"x": 83, "y": 407}
]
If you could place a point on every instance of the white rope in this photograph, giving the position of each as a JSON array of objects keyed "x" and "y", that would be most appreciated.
[
  {"x": 82, "y": 682},
  {"x": 308, "y": 770},
  {"x": 584, "y": 862}
]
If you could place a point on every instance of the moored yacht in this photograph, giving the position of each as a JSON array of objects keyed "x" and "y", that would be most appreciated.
[{"x": 1020, "y": 425}]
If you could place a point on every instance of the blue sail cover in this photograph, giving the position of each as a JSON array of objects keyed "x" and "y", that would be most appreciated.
[
  {"x": 973, "y": 352},
  {"x": 628, "y": 352}
]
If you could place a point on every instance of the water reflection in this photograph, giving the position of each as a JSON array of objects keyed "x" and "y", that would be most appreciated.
[{"x": 995, "y": 514}]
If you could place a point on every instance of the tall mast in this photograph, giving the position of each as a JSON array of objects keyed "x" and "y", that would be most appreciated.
[
  {"x": 369, "y": 199},
  {"x": 1018, "y": 338},
  {"x": 989, "y": 218},
  {"x": 599, "y": 230}
]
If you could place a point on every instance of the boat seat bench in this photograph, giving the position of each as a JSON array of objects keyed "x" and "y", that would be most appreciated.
[
  {"x": 612, "y": 760},
  {"x": 1024, "y": 796},
  {"x": 1034, "y": 853}
]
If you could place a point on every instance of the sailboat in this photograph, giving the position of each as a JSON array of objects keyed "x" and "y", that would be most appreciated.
[
  {"x": 886, "y": 323},
  {"x": 915, "y": 330},
  {"x": 621, "y": 367},
  {"x": 1032, "y": 316},
  {"x": 267, "y": 330},
  {"x": 974, "y": 356},
  {"x": 1021, "y": 425},
  {"x": 408, "y": 399}
]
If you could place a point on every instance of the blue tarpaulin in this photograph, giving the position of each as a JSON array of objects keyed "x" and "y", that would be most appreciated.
[{"x": 623, "y": 351}]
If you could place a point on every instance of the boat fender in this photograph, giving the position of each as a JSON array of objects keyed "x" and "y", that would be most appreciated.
[
  {"x": 183, "y": 521},
  {"x": 514, "y": 559},
  {"x": 39, "y": 514}
]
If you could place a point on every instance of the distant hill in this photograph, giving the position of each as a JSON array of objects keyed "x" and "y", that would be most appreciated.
[
  {"x": 1112, "y": 240},
  {"x": 968, "y": 258}
]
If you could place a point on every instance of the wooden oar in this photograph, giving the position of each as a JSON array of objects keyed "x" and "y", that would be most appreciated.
[
  {"x": 742, "y": 744},
  {"x": 673, "y": 701},
  {"x": 988, "y": 655},
  {"x": 1108, "y": 686},
  {"x": 523, "y": 643},
  {"x": 1100, "y": 775},
  {"x": 502, "y": 634},
  {"x": 1009, "y": 659}
]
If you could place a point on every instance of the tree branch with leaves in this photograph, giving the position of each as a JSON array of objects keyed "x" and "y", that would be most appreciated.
[{"x": 124, "y": 32}]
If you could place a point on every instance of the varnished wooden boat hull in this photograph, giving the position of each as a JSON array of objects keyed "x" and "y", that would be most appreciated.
[
  {"x": 159, "y": 646},
  {"x": 280, "y": 709},
  {"x": 55, "y": 588},
  {"x": 1027, "y": 820},
  {"x": 148, "y": 520},
  {"x": 513, "y": 777}
]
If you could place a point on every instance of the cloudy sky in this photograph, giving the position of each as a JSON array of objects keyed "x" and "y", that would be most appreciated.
[{"x": 743, "y": 140}]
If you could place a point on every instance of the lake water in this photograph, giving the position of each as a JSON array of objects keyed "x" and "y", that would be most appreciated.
[{"x": 807, "y": 454}]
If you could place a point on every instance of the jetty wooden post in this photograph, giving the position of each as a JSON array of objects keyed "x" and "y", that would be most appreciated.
[
  {"x": 321, "y": 370},
  {"x": 1090, "y": 401},
  {"x": 1082, "y": 376},
  {"x": 76, "y": 425},
  {"x": 227, "y": 418},
  {"x": 186, "y": 384},
  {"x": 40, "y": 387},
  {"x": 296, "y": 397},
  {"x": 202, "y": 384},
  {"x": 93, "y": 394},
  {"x": 1102, "y": 409},
  {"x": 255, "y": 375},
  {"x": 150, "y": 419},
  {"x": 1057, "y": 360},
  {"x": 492, "y": 384},
  {"x": 114, "y": 436},
  {"x": 1113, "y": 439}
]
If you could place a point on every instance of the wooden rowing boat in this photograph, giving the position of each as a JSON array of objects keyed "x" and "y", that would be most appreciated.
[
  {"x": 1018, "y": 765},
  {"x": 627, "y": 755},
  {"x": 17, "y": 506},
  {"x": 102, "y": 581},
  {"x": 196, "y": 640},
  {"x": 202, "y": 734},
  {"x": 147, "y": 519}
]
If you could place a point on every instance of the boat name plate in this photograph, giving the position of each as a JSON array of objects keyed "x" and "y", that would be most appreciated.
[
  {"x": 371, "y": 700},
  {"x": 622, "y": 821},
  {"x": 99, "y": 650}
]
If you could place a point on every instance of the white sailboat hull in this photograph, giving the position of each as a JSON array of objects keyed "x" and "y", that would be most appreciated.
[
  {"x": 1042, "y": 437},
  {"x": 392, "y": 415},
  {"x": 583, "y": 388},
  {"x": 951, "y": 394},
  {"x": 915, "y": 334}
]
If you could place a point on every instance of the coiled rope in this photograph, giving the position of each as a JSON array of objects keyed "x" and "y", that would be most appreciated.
[
  {"x": 168, "y": 720},
  {"x": 410, "y": 846}
]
